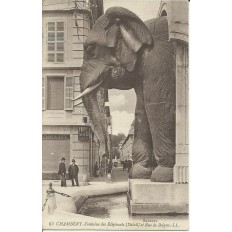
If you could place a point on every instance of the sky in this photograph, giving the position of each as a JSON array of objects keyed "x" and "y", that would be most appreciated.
[{"x": 122, "y": 102}]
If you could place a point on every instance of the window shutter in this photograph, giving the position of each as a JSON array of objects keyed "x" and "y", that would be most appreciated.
[
  {"x": 68, "y": 102},
  {"x": 43, "y": 94}
]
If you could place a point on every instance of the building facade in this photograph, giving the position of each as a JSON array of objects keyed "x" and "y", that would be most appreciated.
[
  {"x": 126, "y": 147},
  {"x": 67, "y": 129}
]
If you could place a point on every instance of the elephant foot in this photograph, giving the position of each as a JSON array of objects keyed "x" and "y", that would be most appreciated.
[
  {"x": 140, "y": 172},
  {"x": 162, "y": 174}
]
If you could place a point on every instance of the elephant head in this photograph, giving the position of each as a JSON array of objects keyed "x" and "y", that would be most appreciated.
[{"x": 110, "y": 56}]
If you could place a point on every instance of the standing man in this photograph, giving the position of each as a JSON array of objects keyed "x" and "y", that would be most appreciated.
[
  {"x": 62, "y": 172},
  {"x": 130, "y": 162},
  {"x": 104, "y": 165},
  {"x": 110, "y": 166},
  {"x": 96, "y": 169},
  {"x": 123, "y": 165},
  {"x": 73, "y": 172}
]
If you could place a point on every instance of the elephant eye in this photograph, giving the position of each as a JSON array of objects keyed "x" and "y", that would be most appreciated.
[{"x": 91, "y": 51}]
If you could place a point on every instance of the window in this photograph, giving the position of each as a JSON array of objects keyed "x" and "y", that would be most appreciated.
[
  {"x": 55, "y": 93},
  {"x": 55, "y": 41}
]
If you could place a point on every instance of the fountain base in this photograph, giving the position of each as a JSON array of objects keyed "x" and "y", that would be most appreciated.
[{"x": 146, "y": 197}]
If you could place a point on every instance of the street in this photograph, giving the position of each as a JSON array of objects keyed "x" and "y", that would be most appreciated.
[{"x": 119, "y": 175}]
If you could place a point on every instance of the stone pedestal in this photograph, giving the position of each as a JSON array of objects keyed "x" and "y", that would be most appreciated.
[{"x": 163, "y": 198}]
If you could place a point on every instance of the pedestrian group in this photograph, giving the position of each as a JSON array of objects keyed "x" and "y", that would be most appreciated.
[
  {"x": 105, "y": 167},
  {"x": 73, "y": 171}
]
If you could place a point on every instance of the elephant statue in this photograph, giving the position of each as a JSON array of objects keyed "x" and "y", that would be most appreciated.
[{"x": 120, "y": 52}]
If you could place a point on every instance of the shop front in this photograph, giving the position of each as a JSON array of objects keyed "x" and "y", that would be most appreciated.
[{"x": 70, "y": 142}]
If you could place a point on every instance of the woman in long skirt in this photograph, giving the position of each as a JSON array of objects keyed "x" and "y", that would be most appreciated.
[{"x": 51, "y": 199}]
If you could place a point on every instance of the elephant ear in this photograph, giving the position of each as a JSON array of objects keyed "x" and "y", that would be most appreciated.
[
  {"x": 124, "y": 53},
  {"x": 133, "y": 30},
  {"x": 126, "y": 56},
  {"x": 111, "y": 36}
]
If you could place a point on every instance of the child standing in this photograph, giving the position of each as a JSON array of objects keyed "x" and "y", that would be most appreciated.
[{"x": 51, "y": 199}]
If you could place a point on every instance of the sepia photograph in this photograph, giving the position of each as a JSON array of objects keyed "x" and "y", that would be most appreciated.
[
  {"x": 115, "y": 106},
  {"x": 133, "y": 132}
]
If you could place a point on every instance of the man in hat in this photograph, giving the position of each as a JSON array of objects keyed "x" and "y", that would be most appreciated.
[
  {"x": 73, "y": 172},
  {"x": 104, "y": 165},
  {"x": 96, "y": 169},
  {"x": 62, "y": 172}
]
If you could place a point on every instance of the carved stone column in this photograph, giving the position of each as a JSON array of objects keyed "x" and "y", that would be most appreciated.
[{"x": 182, "y": 143}]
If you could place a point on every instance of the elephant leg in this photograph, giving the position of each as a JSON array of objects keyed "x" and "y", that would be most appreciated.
[
  {"x": 159, "y": 95},
  {"x": 163, "y": 136},
  {"x": 142, "y": 150},
  {"x": 141, "y": 154}
]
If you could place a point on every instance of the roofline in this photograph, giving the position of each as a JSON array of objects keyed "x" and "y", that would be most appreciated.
[{"x": 127, "y": 138}]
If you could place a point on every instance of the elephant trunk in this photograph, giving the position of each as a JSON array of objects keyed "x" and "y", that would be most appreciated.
[{"x": 92, "y": 107}]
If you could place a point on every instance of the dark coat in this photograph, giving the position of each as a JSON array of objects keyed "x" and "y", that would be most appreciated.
[
  {"x": 96, "y": 168},
  {"x": 73, "y": 171},
  {"x": 62, "y": 169},
  {"x": 110, "y": 167},
  {"x": 104, "y": 162}
]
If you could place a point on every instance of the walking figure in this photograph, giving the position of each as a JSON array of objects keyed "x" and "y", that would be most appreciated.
[
  {"x": 123, "y": 165},
  {"x": 51, "y": 199},
  {"x": 62, "y": 172},
  {"x": 96, "y": 170},
  {"x": 110, "y": 166},
  {"x": 104, "y": 165},
  {"x": 129, "y": 165},
  {"x": 73, "y": 172}
]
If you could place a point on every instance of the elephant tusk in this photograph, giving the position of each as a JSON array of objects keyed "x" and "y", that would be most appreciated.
[
  {"x": 78, "y": 103},
  {"x": 87, "y": 90}
]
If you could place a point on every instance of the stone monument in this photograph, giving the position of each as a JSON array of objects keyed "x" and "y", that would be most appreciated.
[{"x": 147, "y": 197}]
